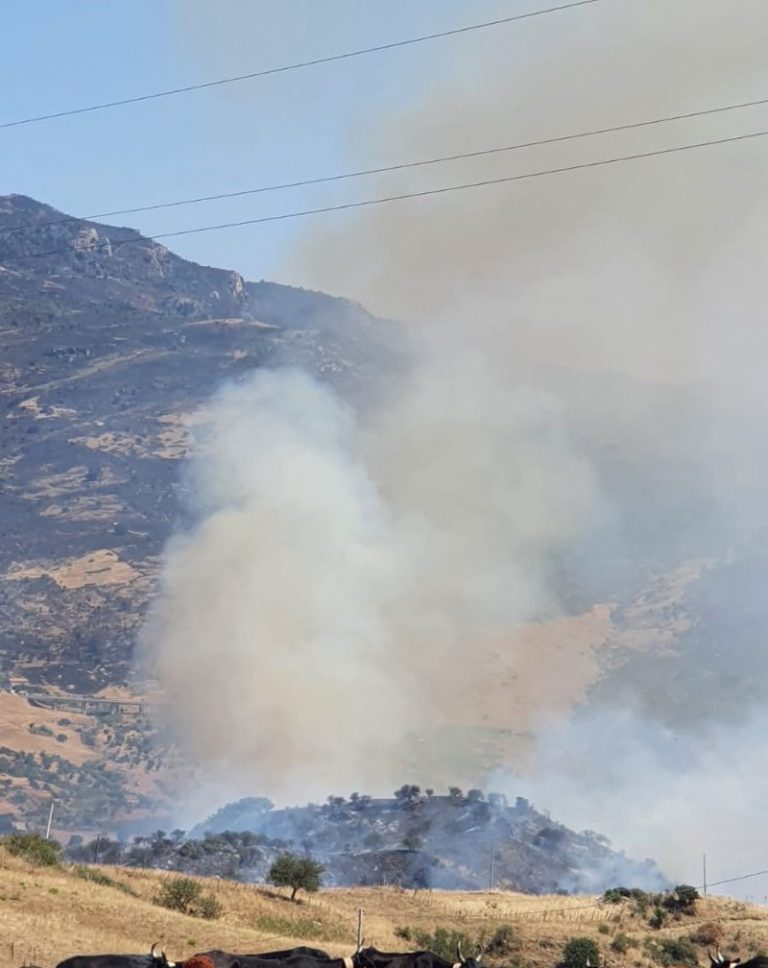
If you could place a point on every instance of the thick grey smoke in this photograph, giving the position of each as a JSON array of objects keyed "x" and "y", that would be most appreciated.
[
  {"x": 586, "y": 398},
  {"x": 649, "y": 267},
  {"x": 270, "y": 636},
  {"x": 314, "y": 616},
  {"x": 632, "y": 294}
]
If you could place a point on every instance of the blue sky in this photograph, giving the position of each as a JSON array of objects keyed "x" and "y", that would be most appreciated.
[{"x": 63, "y": 55}]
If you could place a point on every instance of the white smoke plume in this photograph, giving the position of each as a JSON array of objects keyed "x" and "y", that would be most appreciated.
[
  {"x": 330, "y": 589},
  {"x": 655, "y": 792},
  {"x": 273, "y": 606}
]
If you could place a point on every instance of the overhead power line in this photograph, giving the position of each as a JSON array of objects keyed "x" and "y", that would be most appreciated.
[
  {"x": 299, "y": 65},
  {"x": 368, "y": 202},
  {"x": 732, "y": 880},
  {"x": 421, "y": 163}
]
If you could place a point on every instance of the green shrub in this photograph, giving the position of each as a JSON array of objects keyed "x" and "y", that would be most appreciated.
[
  {"x": 180, "y": 894},
  {"x": 443, "y": 942},
  {"x": 640, "y": 900},
  {"x": 673, "y": 951},
  {"x": 658, "y": 918},
  {"x": 615, "y": 895},
  {"x": 34, "y": 849},
  {"x": 683, "y": 899},
  {"x": 578, "y": 951},
  {"x": 622, "y": 943},
  {"x": 184, "y": 894},
  {"x": 503, "y": 941},
  {"x": 209, "y": 907}
]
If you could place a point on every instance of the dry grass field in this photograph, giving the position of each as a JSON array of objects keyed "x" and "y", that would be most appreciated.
[{"x": 47, "y": 915}]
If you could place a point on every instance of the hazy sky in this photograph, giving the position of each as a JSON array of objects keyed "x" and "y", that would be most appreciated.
[{"x": 58, "y": 56}]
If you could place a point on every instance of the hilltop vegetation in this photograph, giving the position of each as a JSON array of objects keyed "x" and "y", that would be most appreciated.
[
  {"x": 114, "y": 773},
  {"x": 413, "y": 839}
]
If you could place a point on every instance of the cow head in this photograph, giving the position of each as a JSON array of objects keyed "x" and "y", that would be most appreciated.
[
  {"x": 160, "y": 960},
  {"x": 718, "y": 961},
  {"x": 471, "y": 962}
]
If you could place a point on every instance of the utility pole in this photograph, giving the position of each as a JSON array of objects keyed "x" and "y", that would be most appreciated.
[
  {"x": 360, "y": 913},
  {"x": 704, "y": 865},
  {"x": 50, "y": 820}
]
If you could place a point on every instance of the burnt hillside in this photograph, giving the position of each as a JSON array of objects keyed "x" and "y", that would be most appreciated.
[
  {"x": 458, "y": 841},
  {"x": 107, "y": 343}
]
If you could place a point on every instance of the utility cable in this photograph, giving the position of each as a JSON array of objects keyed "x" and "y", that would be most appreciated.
[
  {"x": 421, "y": 163},
  {"x": 365, "y": 203},
  {"x": 300, "y": 65},
  {"x": 732, "y": 880}
]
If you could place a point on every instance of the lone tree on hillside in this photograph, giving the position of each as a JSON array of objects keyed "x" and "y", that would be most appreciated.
[{"x": 298, "y": 873}]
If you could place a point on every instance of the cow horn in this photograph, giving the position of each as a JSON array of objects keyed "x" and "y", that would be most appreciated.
[
  {"x": 479, "y": 954},
  {"x": 458, "y": 953},
  {"x": 152, "y": 951}
]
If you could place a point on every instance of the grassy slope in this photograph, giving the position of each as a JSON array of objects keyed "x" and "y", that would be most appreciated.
[{"x": 47, "y": 915}]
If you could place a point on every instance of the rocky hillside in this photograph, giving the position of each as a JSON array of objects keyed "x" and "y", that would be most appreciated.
[{"x": 107, "y": 343}]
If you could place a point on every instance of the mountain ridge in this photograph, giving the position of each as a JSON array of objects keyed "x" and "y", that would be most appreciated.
[{"x": 107, "y": 344}]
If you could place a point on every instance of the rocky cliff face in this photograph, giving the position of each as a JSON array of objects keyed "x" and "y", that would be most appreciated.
[{"x": 108, "y": 342}]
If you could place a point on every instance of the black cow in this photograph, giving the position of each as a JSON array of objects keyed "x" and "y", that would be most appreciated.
[
  {"x": 718, "y": 961},
  {"x": 296, "y": 961},
  {"x": 371, "y": 958},
  {"x": 226, "y": 959},
  {"x": 317, "y": 953},
  {"x": 152, "y": 960}
]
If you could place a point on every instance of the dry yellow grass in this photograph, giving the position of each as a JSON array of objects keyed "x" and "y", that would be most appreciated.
[
  {"x": 47, "y": 915},
  {"x": 16, "y": 715},
  {"x": 102, "y": 567}
]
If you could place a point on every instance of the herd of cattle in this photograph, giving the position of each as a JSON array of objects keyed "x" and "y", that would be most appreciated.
[{"x": 301, "y": 957}]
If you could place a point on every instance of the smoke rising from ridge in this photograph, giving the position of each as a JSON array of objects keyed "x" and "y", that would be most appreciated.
[
  {"x": 653, "y": 791},
  {"x": 333, "y": 569},
  {"x": 586, "y": 396}
]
